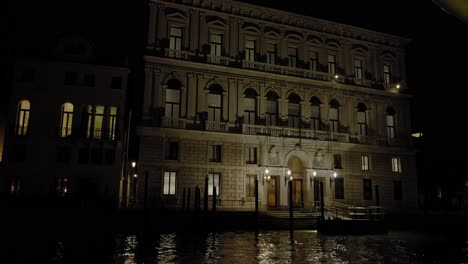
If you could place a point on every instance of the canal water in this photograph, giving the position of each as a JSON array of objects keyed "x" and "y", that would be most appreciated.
[{"x": 234, "y": 247}]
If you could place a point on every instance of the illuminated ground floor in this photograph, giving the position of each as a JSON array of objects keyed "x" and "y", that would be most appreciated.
[{"x": 176, "y": 162}]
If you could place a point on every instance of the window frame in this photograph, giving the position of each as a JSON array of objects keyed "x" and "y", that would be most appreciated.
[
  {"x": 170, "y": 191},
  {"x": 250, "y": 185},
  {"x": 23, "y": 117},
  {"x": 365, "y": 163},
  {"x": 215, "y": 152},
  {"x": 396, "y": 164},
  {"x": 251, "y": 157},
  {"x": 212, "y": 182}
]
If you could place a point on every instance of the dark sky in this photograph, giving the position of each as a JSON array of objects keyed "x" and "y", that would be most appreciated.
[{"x": 437, "y": 55}]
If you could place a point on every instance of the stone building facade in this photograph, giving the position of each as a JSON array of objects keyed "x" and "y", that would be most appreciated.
[
  {"x": 65, "y": 126},
  {"x": 234, "y": 90}
]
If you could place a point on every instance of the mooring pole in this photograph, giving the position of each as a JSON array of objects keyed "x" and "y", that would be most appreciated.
[
  {"x": 256, "y": 202},
  {"x": 322, "y": 202},
  {"x": 291, "y": 217},
  {"x": 205, "y": 201}
]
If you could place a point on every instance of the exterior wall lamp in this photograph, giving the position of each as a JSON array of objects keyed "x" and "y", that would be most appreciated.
[
  {"x": 266, "y": 176},
  {"x": 289, "y": 176}
]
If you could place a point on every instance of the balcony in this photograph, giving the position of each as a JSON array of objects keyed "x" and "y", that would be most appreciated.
[
  {"x": 216, "y": 126},
  {"x": 294, "y": 132},
  {"x": 362, "y": 82},
  {"x": 260, "y": 66},
  {"x": 177, "y": 54},
  {"x": 171, "y": 122},
  {"x": 220, "y": 60}
]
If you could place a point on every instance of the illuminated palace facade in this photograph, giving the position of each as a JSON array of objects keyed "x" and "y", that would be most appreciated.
[
  {"x": 65, "y": 127},
  {"x": 237, "y": 92}
]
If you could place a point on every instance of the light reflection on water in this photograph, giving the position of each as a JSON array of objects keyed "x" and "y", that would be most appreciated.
[
  {"x": 237, "y": 247},
  {"x": 280, "y": 247}
]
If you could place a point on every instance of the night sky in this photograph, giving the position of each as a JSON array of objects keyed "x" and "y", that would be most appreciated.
[{"x": 436, "y": 57}]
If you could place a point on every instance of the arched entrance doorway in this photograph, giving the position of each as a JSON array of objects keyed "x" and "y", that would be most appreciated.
[{"x": 298, "y": 174}]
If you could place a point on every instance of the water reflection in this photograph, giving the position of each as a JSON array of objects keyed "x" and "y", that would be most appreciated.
[{"x": 243, "y": 247}]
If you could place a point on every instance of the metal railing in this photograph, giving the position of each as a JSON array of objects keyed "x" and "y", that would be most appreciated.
[
  {"x": 344, "y": 211},
  {"x": 177, "y": 54},
  {"x": 173, "y": 122},
  {"x": 216, "y": 126}
]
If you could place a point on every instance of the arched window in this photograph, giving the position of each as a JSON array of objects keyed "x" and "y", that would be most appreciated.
[
  {"x": 362, "y": 119},
  {"x": 334, "y": 116},
  {"x": 315, "y": 113},
  {"x": 66, "y": 120},
  {"x": 22, "y": 120},
  {"x": 294, "y": 110},
  {"x": 250, "y": 106},
  {"x": 391, "y": 131},
  {"x": 272, "y": 107},
  {"x": 172, "y": 109},
  {"x": 215, "y": 103}
]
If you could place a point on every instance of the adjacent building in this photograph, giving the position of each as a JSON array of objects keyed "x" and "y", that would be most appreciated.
[
  {"x": 65, "y": 126},
  {"x": 236, "y": 92}
]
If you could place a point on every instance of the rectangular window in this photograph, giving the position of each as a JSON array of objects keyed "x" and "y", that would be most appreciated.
[
  {"x": 365, "y": 163},
  {"x": 315, "y": 117},
  {"x": 116, "y": 82},
  {"x": 271, "y": 53},
  {"x": 293, "y": 55},
  {"x": 387, "y": 75},
  {"x": 95, "y": 114},
  {"x": 169, "y": 183},
  {"x": 339, "y": 188},
  {"x": 362, "y": 123},
  {"x": 61, "y": 186},
  {"x": 367, "y": 189},
  {"x": 112, "y": 122},
  {"x": 293, "y": 115},
  {"x": 396, "y": 164},
  {"x": 175, "y": 38},
  {"x": 313, "y": 61},
  {"x": 397, "y": 190},
  {"x": 358, "y": 71},
  {"x": 22, "y": 124},
  {"x": 214, "y": 181},
  {"x": 331, "y": 64},
  {"x": 216, "y": 44},
  {"x": 250, "y": 50},
  {"x": 89, "y": 80},
  {"x": 333, "y": 117},
  {"x": 271, "y": 114},
  {"x": 390, "y": 126},
  {"x": 250, "y": 185},
  {"x": 250, "y": 105},
  {"x": 251, "y": 155},
  {"x": 214, "y": 153},
  {"x": 337, "y": 161},
  {"x": 172, "y": 151},
  {"x": 70, "y": 78}
]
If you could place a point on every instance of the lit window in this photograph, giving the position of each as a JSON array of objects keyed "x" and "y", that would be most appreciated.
[
  {"x": 396, "y": 164},
  {"x": 250, "y": 185},
  {"x": 95, "y": 122},
  {"x": 213, "y": 181},
  {"x": 22, "y": 121},
  {"x": 250, "y": 50},
  {"x": 169, "y": 183},
  {"x": 15, "y": 185},
  {"x": 365, "y": 165},
  {"x": 66, "y": 120},
  {"x": 251, "y": 155},
  {"x": 112, "y": 122}
]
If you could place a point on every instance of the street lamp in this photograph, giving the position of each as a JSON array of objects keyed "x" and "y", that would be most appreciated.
[{"x": 289, "y": 176}]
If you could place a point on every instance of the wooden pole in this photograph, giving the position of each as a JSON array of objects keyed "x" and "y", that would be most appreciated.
[
  {"x": 322, "y": 202},
  {"x": 291, "y": 217}
]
